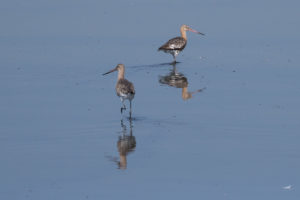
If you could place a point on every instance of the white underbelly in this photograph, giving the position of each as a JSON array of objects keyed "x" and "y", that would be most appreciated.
[{"x": 126, "y": 96}]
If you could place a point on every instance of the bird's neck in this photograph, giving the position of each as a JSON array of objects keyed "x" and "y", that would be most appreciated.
[
  {"x": 121, "y": 75},
  {"x": 183, "y": 34}
]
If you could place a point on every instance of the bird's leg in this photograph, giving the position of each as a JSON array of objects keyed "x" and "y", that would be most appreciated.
[
  {"x": 123, "y": 107},
  {"x": 130, "y": 123},
  {"x": 130, "y": 109},
  {"x": 174, "y": 58}
]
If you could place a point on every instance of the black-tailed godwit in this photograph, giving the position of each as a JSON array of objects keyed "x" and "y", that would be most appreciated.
[
  {"x": 124, "y": 88},
  {"x": 175, "y": 45}
]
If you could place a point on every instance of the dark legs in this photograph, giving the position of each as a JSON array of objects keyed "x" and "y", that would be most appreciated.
[
  {"x": 130, "y": 109},
  {"x": 174, "y": 58},
  {"x": 174, "y": 54},
  {"x": 123, "y": 107},
  {"x": 174, "y": 68}
]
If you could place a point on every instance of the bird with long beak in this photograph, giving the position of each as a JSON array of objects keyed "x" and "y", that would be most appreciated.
[
  {"x": 124, "y": 88},
  {"x": 175, "y": 45}
]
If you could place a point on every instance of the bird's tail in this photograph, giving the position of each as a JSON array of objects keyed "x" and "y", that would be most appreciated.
[{"x": 160, "y": 48}]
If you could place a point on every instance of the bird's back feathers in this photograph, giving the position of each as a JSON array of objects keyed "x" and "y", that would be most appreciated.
[{"x": 177, "y": 43}]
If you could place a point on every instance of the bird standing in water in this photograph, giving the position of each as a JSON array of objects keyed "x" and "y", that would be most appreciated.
[
  {"x": 124, "y": 88},
  {"x": 175, "y": 45}
]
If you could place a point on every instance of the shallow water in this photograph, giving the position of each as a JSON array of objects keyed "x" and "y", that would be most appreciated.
[{"x": 62, "y": 135}]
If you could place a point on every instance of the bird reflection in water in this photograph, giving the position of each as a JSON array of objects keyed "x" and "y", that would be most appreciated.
[
  {"x": 125, "y": 144},
  {"x": 178, "y": 80}
]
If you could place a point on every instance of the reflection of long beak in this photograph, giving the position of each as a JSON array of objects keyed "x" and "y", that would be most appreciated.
[
  {"x": 115, "y": 69},
  {"x": 200, "y": 90},
  {"x": 187, "y": 95},
  {"x": 195, "y": 31}
]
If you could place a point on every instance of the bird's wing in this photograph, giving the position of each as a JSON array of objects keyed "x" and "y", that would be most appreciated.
[{"x": 176, "y": 43}]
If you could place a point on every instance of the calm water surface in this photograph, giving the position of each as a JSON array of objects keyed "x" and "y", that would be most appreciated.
[{"x": 221, "y": 124}]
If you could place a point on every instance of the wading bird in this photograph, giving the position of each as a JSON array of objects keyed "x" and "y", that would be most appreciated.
[
  {"x": 124, "y": 88},
  {"x": 175, "y": 45}
]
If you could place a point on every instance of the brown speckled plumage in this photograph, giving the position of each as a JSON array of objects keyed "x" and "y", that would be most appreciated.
[
  {"x": 175, "y": 45},
  {"x": 124, "y": 88}
]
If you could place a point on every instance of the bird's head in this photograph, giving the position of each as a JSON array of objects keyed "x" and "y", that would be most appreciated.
[
  {"x": 187, "y": 28},
  {"x": 119, "y": 67}
]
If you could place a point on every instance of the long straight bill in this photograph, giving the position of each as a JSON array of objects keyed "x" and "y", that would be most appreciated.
[
  {"x": 109, "y": 71},
  {"x": 196, "y": 31}
]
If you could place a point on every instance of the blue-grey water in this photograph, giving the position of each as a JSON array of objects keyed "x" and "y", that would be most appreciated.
[{"x": 61, "y": 132}]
